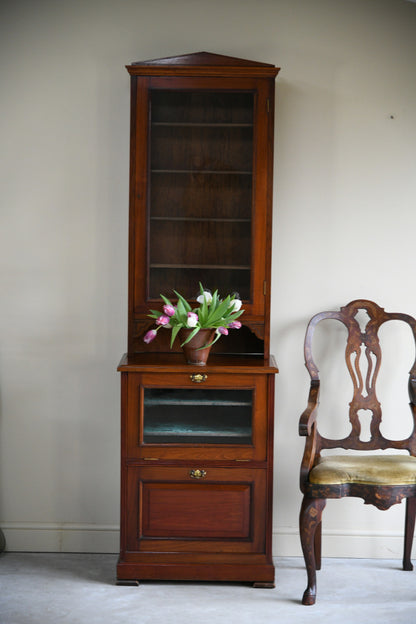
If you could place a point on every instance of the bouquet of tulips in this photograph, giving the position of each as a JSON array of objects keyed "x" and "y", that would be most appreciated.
[{"x": 212, "y": 313}]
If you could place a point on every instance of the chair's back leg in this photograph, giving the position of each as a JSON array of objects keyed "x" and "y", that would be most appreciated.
[
  {"x": 309, "y": 521},
  {"x": 409, "y": 529}
]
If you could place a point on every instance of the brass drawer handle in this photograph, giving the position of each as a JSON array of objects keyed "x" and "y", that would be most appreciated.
[
  {"x": 197, "y": 473},
  {"x": 198, "y": 377}
]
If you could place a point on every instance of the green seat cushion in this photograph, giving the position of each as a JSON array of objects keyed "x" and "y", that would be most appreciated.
[{"x": 369, "y": 470}]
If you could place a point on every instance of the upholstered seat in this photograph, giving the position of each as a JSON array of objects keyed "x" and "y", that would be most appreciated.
[{"x": 370, "y": 471}]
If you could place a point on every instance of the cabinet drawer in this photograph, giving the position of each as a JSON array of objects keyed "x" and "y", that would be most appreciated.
[
  {"x": 225, "y": 417},
  {"x": 223, "y": 510}
]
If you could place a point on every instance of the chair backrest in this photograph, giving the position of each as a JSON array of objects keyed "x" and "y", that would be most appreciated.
[{"x": 363, "y": 339}]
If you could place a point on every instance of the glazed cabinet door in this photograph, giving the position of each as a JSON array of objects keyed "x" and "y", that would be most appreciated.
[
  {"x": 224, "y": 417},
  {"x": 200, "y": 190}
]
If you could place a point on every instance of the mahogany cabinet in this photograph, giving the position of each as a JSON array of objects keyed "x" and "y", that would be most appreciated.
[{"x": 197, "y": 442}]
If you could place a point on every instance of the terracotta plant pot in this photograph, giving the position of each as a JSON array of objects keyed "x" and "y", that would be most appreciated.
[{"x": 192, "y": 350}]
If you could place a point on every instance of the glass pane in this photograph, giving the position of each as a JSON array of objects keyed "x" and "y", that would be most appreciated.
[
  {"x": 200, "y": 243},
  {"x": 193, "y": 195},
  {"x": 212, "y": 149},
  {"x": 201, "y": 161},
  {"x": 202, "y": 107},
  {"x": 197, "y": 416},
  {"x": 185, "y": 280}
]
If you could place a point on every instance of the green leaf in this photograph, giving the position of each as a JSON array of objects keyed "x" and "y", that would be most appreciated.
[
  {"x": 234, "y": 316},
  {"x": 216, "y": 315},
  {"x": 203, "y": 312},
  {"x": 181, "y": 313},
  {"x": 183, "y": 301},
  {"x": 217, "y": 337},
  {"x": 175, "y": 330},
  {"x": 191, "y": 335},
  {"x": 166, "y": 300}
]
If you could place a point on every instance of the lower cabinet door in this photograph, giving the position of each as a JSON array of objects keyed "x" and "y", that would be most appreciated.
[{"x": 195, "y": 509}]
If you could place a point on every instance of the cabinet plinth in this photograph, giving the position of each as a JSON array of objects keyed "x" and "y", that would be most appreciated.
[{"x": 197, "y": 442}]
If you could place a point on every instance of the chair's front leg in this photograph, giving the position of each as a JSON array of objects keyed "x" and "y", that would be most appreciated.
[
  {"x": 309, "y": 521},
  {"x": 409, "y": 529},
  {"x": 318, "y": 546}
]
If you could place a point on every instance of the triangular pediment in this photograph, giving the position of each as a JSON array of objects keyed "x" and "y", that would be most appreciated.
[
  {"x": 204, "y": 58},
  {"x": 202, "y": 64}
]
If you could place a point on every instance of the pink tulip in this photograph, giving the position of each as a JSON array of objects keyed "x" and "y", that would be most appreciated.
[
  {"x": 162, "y": 320},
  {"x": 169, "y": 310},
  {"x": 223, "y": 331},
  {"x": 235, "y": 325},
  {"x": 151, "y": 335}
]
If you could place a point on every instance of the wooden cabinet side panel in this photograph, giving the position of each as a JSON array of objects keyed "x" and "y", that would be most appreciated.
[
  {"x": 123, "y": 467},
  {"x": 138, "y": 201}
]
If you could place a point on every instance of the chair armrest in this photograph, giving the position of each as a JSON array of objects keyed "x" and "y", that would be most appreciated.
[{"x": 309, "y": 415}]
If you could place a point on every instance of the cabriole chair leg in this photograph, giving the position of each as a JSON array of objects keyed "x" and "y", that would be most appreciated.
[
  {"x": 409, "y": 529},
  {"x": 309, "y": 523}
]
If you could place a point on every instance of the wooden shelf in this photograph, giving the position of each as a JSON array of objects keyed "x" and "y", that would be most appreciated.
[
  {"x": 183, "y": 124},
  {"x": 203, "y": 219},
  {"x": 193, "y": 403},
  {"x": 203, "y": 171},
  {"x": 201, "y": 266},
  {"x": 218, "y": 363},
  {"x": 175, "y": 430}
]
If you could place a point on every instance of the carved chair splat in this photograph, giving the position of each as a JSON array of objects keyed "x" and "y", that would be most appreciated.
[{"x": 381, "y": 480}]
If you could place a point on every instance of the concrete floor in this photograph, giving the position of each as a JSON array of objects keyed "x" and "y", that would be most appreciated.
[{"x": 80, "y": 589}]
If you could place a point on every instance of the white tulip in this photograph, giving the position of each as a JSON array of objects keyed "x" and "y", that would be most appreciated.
[
  {"x": 205, "y": 295},
  {"x": 192, "y": 319},
  {"x": 236, "y": 304}
]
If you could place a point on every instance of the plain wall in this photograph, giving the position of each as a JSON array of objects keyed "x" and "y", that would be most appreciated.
[{"x": 344, "y": 228}]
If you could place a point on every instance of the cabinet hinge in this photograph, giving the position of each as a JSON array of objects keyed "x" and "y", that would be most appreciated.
[{"x": 264, "y": 288}]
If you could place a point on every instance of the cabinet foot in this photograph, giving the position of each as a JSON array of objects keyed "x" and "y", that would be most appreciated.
[
  {"x": 128, "y": 582},
  {"x": 261, "y": 585}
]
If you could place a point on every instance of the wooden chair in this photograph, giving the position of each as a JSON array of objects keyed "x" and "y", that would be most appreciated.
[{"x": 380, "y": 479}]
